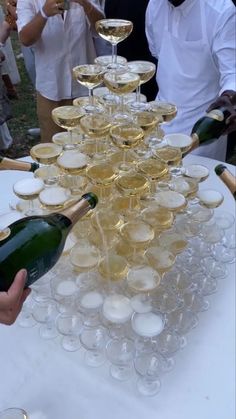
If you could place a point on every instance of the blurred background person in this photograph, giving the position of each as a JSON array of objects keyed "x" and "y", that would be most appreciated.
[
  {"x": 196, "y": 62},
  {"x": 5, "y": 111},
  {"x": 61, "y": 40}
]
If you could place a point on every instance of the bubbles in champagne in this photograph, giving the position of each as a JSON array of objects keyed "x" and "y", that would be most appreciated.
[
  {"x": 114, "y": 30},
  {"x": 28, "y": 188}
]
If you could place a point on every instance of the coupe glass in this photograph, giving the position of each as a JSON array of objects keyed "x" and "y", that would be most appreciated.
[
  {"x": 96, "y": 127},
  {"x": 46, "y": 154},
  {"x": 134, "y": 185},
  {"x": 94, "y": 340},
  {"x": 181, "y": 141},
  {"x": 114, "y": 31},
  {"x": 147, "y": 327},
  {"x": 137, "y": 234},
  {"x": 107, "y": 60},
  {"x": 70, "y": 326},
  {"x": 149, "y": 367},
  {"x": 45, "y": 313},
  {"x": 120, "y": 84},
  {"x": 102, "y": 175},
  {"x": 126, "y": 136},
  {"x": 89, "y": 304},
  {"x": 90, "y": 76},
  {"x": 67, "y": 117},
  {"x": 29, "y": 189},
  {"x": 120, "y": 353},
  {"x": 145, "y": 70}
]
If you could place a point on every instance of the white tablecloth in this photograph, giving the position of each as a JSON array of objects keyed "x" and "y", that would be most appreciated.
[{"x": 40, "y": 376}]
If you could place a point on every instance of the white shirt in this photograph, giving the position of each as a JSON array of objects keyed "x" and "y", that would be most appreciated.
[
  {"x": 63, "y": 45},
  {"x": 185, "y": 23}
]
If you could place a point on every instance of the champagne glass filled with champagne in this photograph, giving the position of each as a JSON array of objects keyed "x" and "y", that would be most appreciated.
[
  {"x": 90, "y": 76},
  {"x": 145, "y": 70},
  {"x": 126, "y": 136},
  {"x": 114, "y": 31},
  {"x": 120, "y": 84},
  {"x": 67, "y": 117}
]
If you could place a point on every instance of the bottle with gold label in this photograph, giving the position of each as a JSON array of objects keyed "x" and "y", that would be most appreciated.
[
  {"x": 227, "y": 177},
  {"x": 10, "y": 164},
  {"x": 36, "y": 242},
  {"x": 210, "y": 127}
]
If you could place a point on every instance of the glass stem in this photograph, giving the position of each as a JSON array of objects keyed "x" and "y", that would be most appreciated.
[
  {"x": 122, "y": 105},
  {"x": 71, "y": 137},
  {"x": 138, "y": 94},
  {"x": 91, "y": 97},
  {"x": 114, "y": 54}
]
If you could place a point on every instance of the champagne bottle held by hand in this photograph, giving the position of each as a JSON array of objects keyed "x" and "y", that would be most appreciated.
[
  {"x": 227, "y": 177},
  {"x": 209, "y": 127},
  {"x": 36, "y": 243},
  {"x": 10, "y": 164}
]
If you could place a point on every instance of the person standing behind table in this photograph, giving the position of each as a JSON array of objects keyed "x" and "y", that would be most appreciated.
[
  {"x": 135, "y": 47},
  {"x": 62, "y": 40},
  {"x": 194, "y": 42}
]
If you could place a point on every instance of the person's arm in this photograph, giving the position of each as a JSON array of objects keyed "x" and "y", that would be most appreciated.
[
  {"x": 31, "y": 32},
  {"x": 224, "y": 54},
  {"x": 11, "y": 301},
  {"x": 92, "y": 12},
  {"x": 148, "y": 29}
]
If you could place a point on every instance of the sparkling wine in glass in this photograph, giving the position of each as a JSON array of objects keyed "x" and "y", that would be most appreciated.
[
  {"x": 145, "y": 70},
  {"x": 90, "y": 76},
  {"x": 126, "y": 136},
  {"x": 114, "y": 31},
  {"x": 29, "y": 189},
  {"x": 67, "y": 117},
  {"x": 120, "y": 84}
]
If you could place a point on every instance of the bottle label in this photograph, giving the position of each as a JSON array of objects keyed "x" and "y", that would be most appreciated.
[
  {"x": 216, "y": 114},
  {"x": 35, "y": 271}
]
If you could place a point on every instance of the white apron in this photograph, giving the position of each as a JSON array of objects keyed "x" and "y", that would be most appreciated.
[{"x": 187, "y": 76}]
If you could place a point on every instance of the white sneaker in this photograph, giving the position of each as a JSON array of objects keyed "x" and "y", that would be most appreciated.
[{"x": 34, "y": 132}]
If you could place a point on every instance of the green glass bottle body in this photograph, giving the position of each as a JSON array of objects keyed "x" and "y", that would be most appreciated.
[
  {"x": 36, "y": 243},
  {"x": 211, "y": 126}
]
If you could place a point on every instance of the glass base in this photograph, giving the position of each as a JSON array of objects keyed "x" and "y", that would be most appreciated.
[
  {"x": 26, "y": 320},
  {"x": 138, "y": 106},
  {"x": 116, "y": 67},
  {"x": 148, "y": 387},
  {"x": 70, "y": 343},
  {"x": 121, "y": 372},
  {"x": 48, "y": 331},
  {"x": 94, "y": 359}
]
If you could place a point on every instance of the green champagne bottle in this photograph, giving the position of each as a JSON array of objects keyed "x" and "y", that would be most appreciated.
[
  {"x": 227, "y": 177},
  {"x": 209, "y": 127},
  {"x": 36, "y": 242},
  {"x": 10, "y": 164}
]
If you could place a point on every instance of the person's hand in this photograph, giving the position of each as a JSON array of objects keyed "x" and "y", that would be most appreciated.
[
  {"x": 11, "y": 301},
  {"x": 225, "y": 101},
  {"x": 11, "y": 8},
  {"x": 53, "y": 7}
]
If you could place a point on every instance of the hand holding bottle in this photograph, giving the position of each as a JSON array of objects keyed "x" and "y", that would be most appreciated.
[
  {"x": 11, "y": 301},
  {"x": 228, "y": 101}
]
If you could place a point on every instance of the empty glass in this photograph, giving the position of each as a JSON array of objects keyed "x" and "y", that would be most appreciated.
[
  {"x": 120, "y": 353},
  {"x": 70, "y": 327},
  {"x": 94, "y": 341}
]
